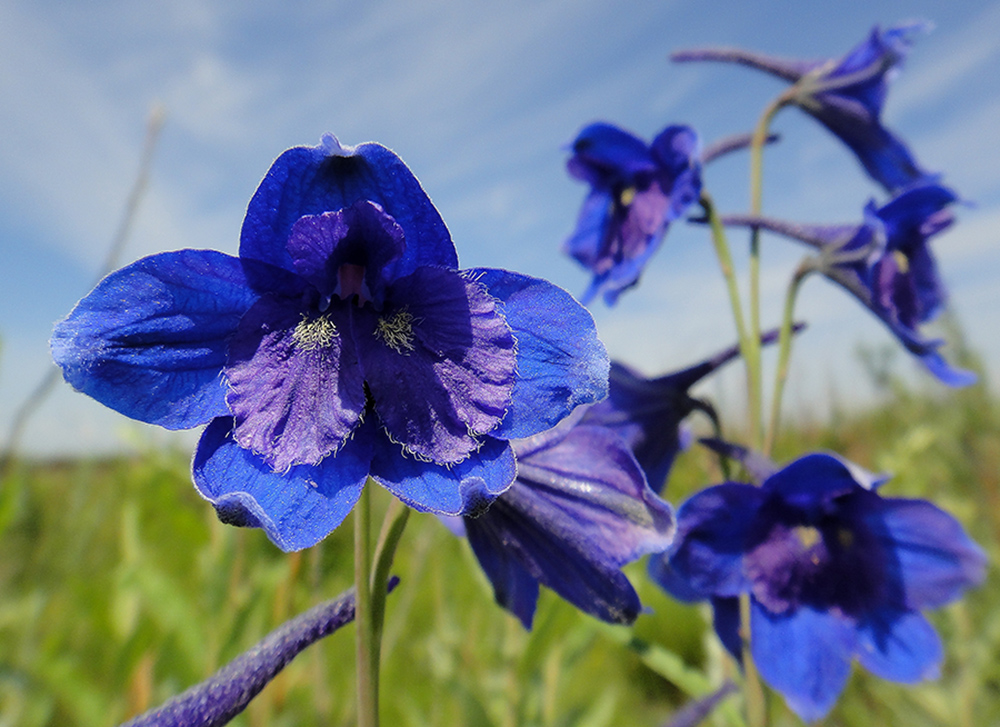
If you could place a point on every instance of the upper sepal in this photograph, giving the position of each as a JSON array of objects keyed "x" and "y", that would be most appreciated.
[{"x": 330, "y": 177}]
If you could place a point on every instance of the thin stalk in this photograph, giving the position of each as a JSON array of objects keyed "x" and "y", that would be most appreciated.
[
  {"x": 393, "y": 525},
  {"x": 785, "y": 352},
  {"x": 753, "y": 693},
  {"x": 752, "y": 356},
  {"x": 365, "y": 654},
  {"x": 721, "y": 245}
]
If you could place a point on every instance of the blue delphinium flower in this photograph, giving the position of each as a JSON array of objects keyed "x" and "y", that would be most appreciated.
[
  {"x": 637, "y": 190},
  {"x": 578, "y": 511},
  {"x": 846, "y": 95},
  {"x": 834, "y": 572},
  {"x": 886, "y": 263},
  {"x": 343, "y": 342},
  {"x": 648, "y": 413}
]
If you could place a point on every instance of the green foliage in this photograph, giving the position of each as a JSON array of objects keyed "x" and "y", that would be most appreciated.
[{"x": 119, "y": 589}]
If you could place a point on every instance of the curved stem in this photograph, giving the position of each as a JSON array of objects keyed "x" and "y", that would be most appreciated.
[
  {"x": 753, "y": 692},
  {"x": 392, "y": 530},
  {"x": 366, "y": 647},
  {"x": 721, "y": 245},
  {"x": 752, "y": 355},
  {"x": 785, "y": 351}
]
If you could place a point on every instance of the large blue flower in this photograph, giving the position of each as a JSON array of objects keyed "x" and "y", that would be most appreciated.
[
  {"x": 834, "y": 572},
  {"x": 342, "y": 343},
  {"x": 846, "y": 95},
  {"x": 637, "y": 190},
  {"x": 886, "y": 263},
  {"x": 578, "y": 511}
]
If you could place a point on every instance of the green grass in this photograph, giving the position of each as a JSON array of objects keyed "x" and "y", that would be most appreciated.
[{"x": 119, "y": 588}]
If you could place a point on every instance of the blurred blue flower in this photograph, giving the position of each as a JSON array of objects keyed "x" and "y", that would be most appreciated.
[
  {"x": 578, "y": 511},
  {"x": 834, "y": 572},
  {"x": 648, "y": 413},
  {"x": 637, "y": 190},
  {"x": 342, "y": 343},
  {"x": 886, "y": 263},
  {"x": 846, "y": 95}
]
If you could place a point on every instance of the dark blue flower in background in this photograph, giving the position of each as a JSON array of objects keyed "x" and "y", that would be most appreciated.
[
  {"x": 342, "y": 343},
  {"x": 637, "y": 190},
  {"x": 834, "y": 572},
  {"x": 647, "y": 413},
  {"x": 846, "y": 95},
  {"x": 578, "y": 511},
  {"x": 886, "y": 263}
]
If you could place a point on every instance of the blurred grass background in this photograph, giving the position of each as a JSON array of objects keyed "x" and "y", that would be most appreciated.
[{"x": 119, "y": 588}]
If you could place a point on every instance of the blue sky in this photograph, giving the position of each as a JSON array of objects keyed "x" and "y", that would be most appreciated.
[{"x": 479, "y": 99}]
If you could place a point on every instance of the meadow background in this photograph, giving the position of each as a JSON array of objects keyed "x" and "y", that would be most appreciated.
[{"x": 118, "y": 587}]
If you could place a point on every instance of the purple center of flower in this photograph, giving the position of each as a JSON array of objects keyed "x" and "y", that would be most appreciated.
[
  {"x": 829, "y": 562},
  {"x": 427, "y": 350}
]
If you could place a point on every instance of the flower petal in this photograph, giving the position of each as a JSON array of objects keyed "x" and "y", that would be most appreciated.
[
  {"x": 584, "y": 486},
  {"x": 936, "y": 560},
  {"x": 150, "y": 340},
  {"x": 461, "y": 489},
  {"x": 323, "y": 247},
  {"x": 561, "y": 363},
  {"x": 514, "y": 588},
  {"x": 726, "y": 622},
  {"x": 899, "y": 646},
  {"x": 586, "y": 241},
  {"x": 440, "y": 364},
  {"x": 712, "y": 531},
  {"x": 604, "y": 155},
  {"x": 557, "y": 562},
  {"x": 805, "y": 655},
  {"x": 296, "y": 386},
  {"x": 330, "y": 177},
  {"x": 296, "y": 508}
]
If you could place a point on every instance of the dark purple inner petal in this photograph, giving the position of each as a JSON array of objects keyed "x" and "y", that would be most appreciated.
[
  {"x": 295, "y": 384},
  {"x": 346, "y": 253},
  {"x": 830, "y": 561},
  {"x": 440, "y": 364}
]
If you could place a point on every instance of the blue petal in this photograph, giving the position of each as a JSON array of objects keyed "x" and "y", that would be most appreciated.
[
  {"x": 712, "y": 531},
  {"x": 936, "y": 560},
  {"x": 726, "y": 622},
  {"x": 586, "y": 241},
  {"x": 806, "y": 656},
  {"x": 582, "y": 484},
  {"x": 562, "y": 563},
  {"x": 151, "y": 339},
  {"x": 604, "y": 154},
  {"x": 330, "y": 177},
  {"x": 440, "y": 364},
  {"x": 468, "y": 487},
  {"x": 514, "y": 588},
  {"x": 561, "y": 362},
  {"x": 899, "y": 646},
  {"x": 664, "y": 575},
  {"x": 296, "y": 508},
  {"x": 811, "y": 482},
  {"x": 296, "y": 388}
]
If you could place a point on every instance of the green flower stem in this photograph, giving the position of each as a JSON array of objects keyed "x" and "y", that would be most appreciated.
[
  {"x": 785, "y": 351},
  {"x": 371, "y": 576},
  {"x": 753, "y": 692},
  {"x": 392, "y": 530},
  {"x": 726, "y": 266},
  {"x": 367, "y": 647},
  {"x": 752, "y": 355}
]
